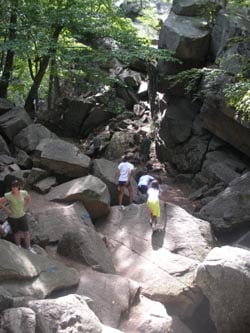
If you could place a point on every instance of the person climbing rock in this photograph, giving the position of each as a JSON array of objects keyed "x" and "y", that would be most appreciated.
[
  {"x": 123, "y": 177},
  {"x": 153, "y": 203},
  {"x": 17, "y": 201},
  {"x": 144, "y": 182}
]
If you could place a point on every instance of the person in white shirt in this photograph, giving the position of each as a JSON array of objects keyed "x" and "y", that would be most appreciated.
[
  {"x": 123, "y": 177},
  {"x": 143, "y": 183}
]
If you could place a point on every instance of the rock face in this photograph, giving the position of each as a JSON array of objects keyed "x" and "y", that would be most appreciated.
[
  {"x": 18, "y": 267},
  {"x": 70, "y": 313},
  {"x": 186, "y": 36},
  {"x": 63, "y": 158},
  {"x": 134, "y": 253},
  {"x": 90, "y": 190},
  {"x": 111, "y": 295},
  {"x": 229, "y": 306},
  {"x": 230, "y": 208}
]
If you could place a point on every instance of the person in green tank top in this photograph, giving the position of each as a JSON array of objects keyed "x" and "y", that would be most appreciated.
[{"x": 15, "y": 204}]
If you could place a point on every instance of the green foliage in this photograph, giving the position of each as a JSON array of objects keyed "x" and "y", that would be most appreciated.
[
  {"x": 238, "y": 96},
  {"x": 191, "y": 80}
]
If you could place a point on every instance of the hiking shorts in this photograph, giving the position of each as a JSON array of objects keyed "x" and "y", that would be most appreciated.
[{"x": 18, "y": 224}]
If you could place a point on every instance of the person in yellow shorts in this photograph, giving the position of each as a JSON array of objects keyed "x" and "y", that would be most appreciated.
[{"x": 153, "y": 202}]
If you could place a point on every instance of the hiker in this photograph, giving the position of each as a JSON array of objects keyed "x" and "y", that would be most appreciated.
[
  {"x": 153, "y": 203},
  {"x": 97, "y": 143},
  {"x": 123, "y": 177},
  {"x": 18, "y": 201},
  {"x": 144, "y": 182}
]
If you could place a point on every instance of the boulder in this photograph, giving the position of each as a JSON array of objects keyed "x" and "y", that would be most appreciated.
[
  {"x": 23, "y": 159},
  {"x": 105, "y": 170},
  {"x": 227, "y": 26},
  {"x": 229, "y": 209},
  {"x": 131, "y": 78},
  {"x": 108, "y": 302},
  {"x": 86, "y": 246},
  {"x": 63, "y": 158},
  {"x": 189, "y": 7},
  {"x": 97, "y": 116},
  {"x": 188, "y": 37},
  {"x": 228, "y": 305},
  {"x": 169, "y": 256},
  {"x": 13, "y": 121},
  {"x": 36, "y": 174},
  {"x": 6, "y": 301},
  {"x": 74, "y": 115},
  {"x": 5, "y": 105},
  {"x": 69, "y": 314},
  {"x": 29, "y": 137},
  {"x": 119, "y": 143},
  {"x": 218, "y": 172},
  {"x": 21, "y": 320},
  {"x": 90, "y": 190},
  {"x": 25, "y": 274},
  {"x": 148, "y": 316},
  {"x": 3, "y": 146},
  {"x": 54, "y": 220},
  {"x": 44, "y": 185}
]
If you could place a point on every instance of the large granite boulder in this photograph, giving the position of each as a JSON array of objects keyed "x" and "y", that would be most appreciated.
[
  {"x": 229, "y": 209},
  {"x": 29, "y": 137},
  {"x": 188, "y": 37},
  {"x": 119, "y": 143},
  {"x": 97, "y": 116},
  {"x": 21, "y": 320},
  {"x": 63, "y": 158},
  {"x": 32, "y": 276},
  {"x": 4, "y": 149},
  {"x": 150, "y": 316},
  {"x": 111, "y": 295},
  {"x": 85, "y": 245},
  {"x": 225, "y": 280},
  {"x": 90, "y": 190},
  {"x": 190, "y": 7},
  {"x": 163, "y": 263},
  {"x": 69, "y": 314},
  {"x": 5, "y": 105},
  {"x": 13, "y": 121}
]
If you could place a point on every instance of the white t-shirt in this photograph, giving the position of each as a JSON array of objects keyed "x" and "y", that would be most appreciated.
[
  {"x": 124, "y": 168},
  {"x": 144, "y": 180},
  {"x": 153, "y": 194}
]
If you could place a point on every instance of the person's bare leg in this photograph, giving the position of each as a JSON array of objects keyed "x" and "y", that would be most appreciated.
[
  {"x": 130, "y": 192},
  {"x": 26, "y": 236},
  {"x": 17, "y": 238},
  {"x": 121, "y": 193}
]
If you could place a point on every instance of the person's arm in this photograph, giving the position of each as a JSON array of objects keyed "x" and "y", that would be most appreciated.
[
  {"x": 27, "y": 200},
  {"x": 3, "y": 202}
]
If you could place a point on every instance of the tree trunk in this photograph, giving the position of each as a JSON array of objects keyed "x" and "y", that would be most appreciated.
[{"x": 9, "y": 60}]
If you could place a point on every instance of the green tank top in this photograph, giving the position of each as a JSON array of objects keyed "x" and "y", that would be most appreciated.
[{"x": 16, "y": 205}]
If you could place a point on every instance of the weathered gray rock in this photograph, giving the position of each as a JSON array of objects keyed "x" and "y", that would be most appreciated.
[
  {"x": 5, "y": 105},
  {"x": 36, "y": 174},
  {"x": 63, "y": 158},
  {"x": 131, "y": 78},
  {"x": 226, "y": 27},
  {"x": 90, "y": 190},
  {"x": 3, "y": 146},
  {"x": 75, "y": 113},
  {"x": 23, "y": 160},
  {"x": 134, "y": 252},
  {"x": 149, "y": 316},
  {"x": 44, "y": 185},
  {"x": 54, "y": 220},
  {"x": 69, "y": 314},
  {"x": 217, "y": 276},
  {"x": 243, "y": 241},
  {"x": 21, "y": 320},
  {"x": 230, "y": 208},
  {"x": 13, "y": 121},
  {"x": 6, "y": 301},
  {"x": 86, "y": 246},
  {"x": 118, "y": 144},
  {"x": 190, "y": 7},
  {"x": 108, "y": 302},
  {"x": 97, "y": 116},
  {"x": 29, "y": 137},
  {"x": 188, "y": 37},
  {"x": 105, "y": 170},
  {"x": 25, "y": 274},
  {"x": 218, "y": 172}
]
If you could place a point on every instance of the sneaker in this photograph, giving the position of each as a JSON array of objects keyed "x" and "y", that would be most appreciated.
[
  {"x": 31, "y": 250},
  {"x": 121, "y": 207}
]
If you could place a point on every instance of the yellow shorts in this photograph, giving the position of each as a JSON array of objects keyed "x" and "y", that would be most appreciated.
[{"x": 154, "y": 207}]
